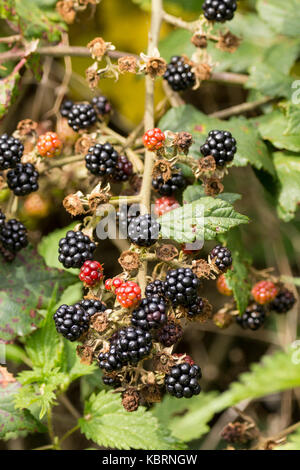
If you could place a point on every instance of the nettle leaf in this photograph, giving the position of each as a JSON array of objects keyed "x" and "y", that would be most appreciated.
[
  {"x": 8, "y": 91},
  {"x": 203, "y": 219},
  {"x": 39, "y": 396},
  {"x": 196, "y": 191},
  {"x": 273, "y": 127},
  {"x": 288, "y": 173},
  {"x": 26, "y": 287},
  {"x": 250, "y": 147},
  {"x": 13, "y": 423},
  {"x": 293, "y": 442},
  {"x": 283, "y": 17},
  {"x": 108, "y": 424}
]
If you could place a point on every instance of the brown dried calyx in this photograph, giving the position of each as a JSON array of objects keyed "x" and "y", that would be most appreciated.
[
  {"x": 131, "y": 399},
  {"x": 213, "y": 187},
  {"x": 95, "y": 199},
  {"x": 240, "y": 432},
  {"x": 199, "y": 40},
  {"x": 163, "y": 362},
  {"x": 73, "y": 204},
  {"x": 27, "y": 127},
  {"x": 156, "y": 67},
  {"x": 66, "y": 10},
  {"x": 201, "y": 268},
  {"x": 83, "y": 144},
  {"x": 151, "y": 394},
  {"x": 202, "y": 71},
  {"x": 166, "y": 252},
  {"x": 162, "y": 168},
  {"x": 129, "y": 260},
  {"x": 99, "y": 322},
  {"x": 228, "y": 42},
  {"x": 207, "y": 165},
  {"x": 223, "y": 319},
  {"x": 183, "y": 141},
  {"x": 206, "y": 313},
  {"x": 92, "y": 76},
  {"x": 98, "y": 47},
  {"x": 86, "y": 354},
  {"x": 128, "y": 64}
]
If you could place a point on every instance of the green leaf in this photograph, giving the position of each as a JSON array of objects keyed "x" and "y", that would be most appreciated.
[
  {"x": 293, "y": 442},
  {"x": 13, "y": 423},
  {"x": 283, "y": 17},
  {"x": 40, "y": 396},
  {"x": 196, "y": 191},
  {"x": 288, "y": 172},
  {"x": 8, "y": 91},
  {"x": 270, "y": 81},
  {"x": 203, "y": 219},
  {"x": 250, "y": 147},
  {"x": 293, "y": 120},
  {"x": 108, "y": 424},
  {"x": 273, "y": 127},
  {"x": 71, "y": 365},
  {"x": 26, "y": 287}
]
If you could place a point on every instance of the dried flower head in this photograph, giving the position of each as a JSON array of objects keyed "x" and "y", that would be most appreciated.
[
  {"x": 162, "y": 168},
  {"x": 66, "y": 10},
  {"x": 27, "y": 127},
  {"x": 207, "y": 165},
  {"x": 228, "y": 42},
  {"x": 98, "y": 47},
  {"x": 127, "y": 64},
  {"x": 99, "y": 322},
  {"x": 156, "y": 67},
  {"x": 83, "y": 144},
  {"x": 86, "y": 354},
  {"x": 131, "y": 399},
  {"x": 202, "y": 71},
  {"x": 129, "y": 260},
  {"x": 199, "y": 40},
  {"x": 72, "y": 203},
  {"x": 213, "y": 187},
  {"x": 183, "y": 141},
  {"x": 92, "y": 76},
  {"x": 201, "y": 268},
  {"x": 166, "y": 252}
]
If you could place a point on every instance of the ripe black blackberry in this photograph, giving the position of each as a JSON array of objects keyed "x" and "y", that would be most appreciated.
[
  {"x": 13, "y": 235},
  {"x": 169, "y": 334},
  {"x": 2, "y": 219},
  {"x": 143, "y": 230},
  {"x": 123, "y": 170},
  {"x": 156, "y": 287},
  {"x": 177, "y": 182},
  {"x": 71, "y": 321},
  {"x": 219, "y": 10},
  {"x": 151, "y": 313},
  {"x": 183, "y": 380},
  {"x": 221, "y": 145},
  {"x": 102, "y": 160},
  {"x": 283, "y": 302},
  {"x": 23, "y": 179},
  {"x": 110, "y": 360},
  {"x": 196, "y": 308},
  {"x": 66, "y": 107},
  {"x": 11, "y": 151},
  {"x": 101, "y": 105},
  {"x": 111, "y": 381},
  {"x": 221, "y": 256},
  {"x": 133, "y": 344},
  {"x": 179, "y": 75},
  {"x": 81, "y": 116},
  {"x": 181, "y": 286},
  {"x": 253, "y": 317},
  {"x": 92, "y": 306},
  {"x": 125, "y": 215},
  {"x": 74, "y": 249}
]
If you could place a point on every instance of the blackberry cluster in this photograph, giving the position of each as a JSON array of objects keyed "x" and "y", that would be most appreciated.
[
  {"x": 110, "y": 360},
  {"x": 13, "y": 235},
  {"x": 11, "y": 151},
  {"x": 23, "y": 179},
  {"x": 81, "y": 116},
  {"x": 196, "y": 308},
  {"x": 219, "y": 10},
  {"x": 170, "y": 334},
  {"x": 156, "y": 287},
  {"x": 151, "y": 313},
  {"x": 183, "y": 380},
  {"x": 102, "y": 160},
  {"x": 123, "y": 170},
  {"x": 101, "y": 105},
  {"x": 221, "y": 145},
  {"x": 181, "y": 286},
  {"x": 75, "y": 249},
  {"x": 2, "y": 219},
  {"x": 125, "y": 215},
  {"x": 283, "y": 302},
  {"x": 143, "y": 230},
  {"x": 253, "y": 317},
  {"x": 92, "y": 306},
  {"x": 111, "y": 381},
  {"x": 177, "y": 182},
  {"x": 179, "y": 75},
  {"x": 66, "y": 108},
  {"x": 71, "y": 321},
  {"x": 221, "y": 257}
]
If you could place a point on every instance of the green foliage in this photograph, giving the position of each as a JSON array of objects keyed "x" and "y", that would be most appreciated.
[
  {"x": 293, "y": 442},
  {"x": 108, "y": 424},
  {"x": 288, "y": 172},
  {"x": 196, "y": 191},
  {"x": 275, "y": 128},
  {"x": 283, "y": 17},
  {"x": 8, "y": 91}
]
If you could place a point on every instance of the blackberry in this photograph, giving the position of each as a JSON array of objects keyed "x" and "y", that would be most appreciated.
[
  {"x": 196, "y": 308},
  {"x": 143, "y": 230},
  {"x": 81, "y": 116},
  {"x": 283, "y": 302},
  {"x": 71, "y": 321},
  {"x": 170, "y": 334},
  {"x": 181, "y": 286},
  {"x": 221, "y": 145},
  {"x": 92, "y": 306},
  {"x": 179, "y": 75},
  {"x": 13, "y": 235},
  {"x": 219, "y": 10},
  {"x": 123, "y": 170},
  {"x": 102, "y": 160},
  {"x": 156, "y": 287},
  {"x": 101, "y": 105},
  {"x": 125, "y": 215},
  {"x": 111, "y": 381},
  {"x": 183, "y": 380},
  {"x": 221, "y": 257},
  {"x": 133, "y": 344},
  {"x": 66, "y": 107},
  {"x": 2, "y": 219},
  {"x": 75, "y": 249},
  {"x": 110, "y": 360},
  {"x": 151, "y": 313},
  {"x": 11, "y": 151},
  {"x": 177, "y": 182},
  {"x": 23, "y": 179},
  {"x": 253, "y": 317}
]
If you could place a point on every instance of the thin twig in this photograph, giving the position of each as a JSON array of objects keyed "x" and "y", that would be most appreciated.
[
  {"x": 69, "y": 406},
  {"x": 240, "y": 108}
]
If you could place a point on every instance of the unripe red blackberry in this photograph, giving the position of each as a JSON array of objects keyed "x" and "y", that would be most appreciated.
[
  {"x": 264, "y": 292},
  {"x": 102, "y": 160},
  {"x": 151, "y": 313},
  {"x": 221, "y": 256},
  {"x": 253, "y": 317},
  {"x": 183, "y": 380},
  {"x": 154, "y": 139},
  {"x": 91, "y": 272},
  {"x": 81, "y": 116},
  {"x": 23, "y": 179},
  {"x": 222, "y": 286},
  {"x": 165, "y": 204},
  {"x": 75, "y": 248},
  {"x": 221, "y": 145},
  {"x": 71, "y": 321},
  {"x": 13, "y": 235},
  {"x": 143, "y": 230},
  {"x": 219, "y": 10},
  {"x": 283, "y": 302},
  {"x": 11, "y": 151},
  {"x": 128, "y": 294},
  {"x": 181, "y": 286},
  {"x": 179, "y": 74},
  {"x": 49, "y": 145},
  {"x": 177, "y": 182},
  {"x": 169, "y": 334}
]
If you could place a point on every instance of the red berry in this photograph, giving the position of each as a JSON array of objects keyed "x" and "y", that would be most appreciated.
[
  {"x": 91, "y": 273},
  {"x": 113, "y": 284},
  {"x": 222, "y": 286},
  {"x": 165, "y": 204},
  {"x": 107, "y": 284},
  {"x": 154, "y": 139},
  {"x": 186, "y": 358},
  {"x": 49, "y": 145},
  {"x": 264, "y": 292},
  {"x": 129, "y": 294}
]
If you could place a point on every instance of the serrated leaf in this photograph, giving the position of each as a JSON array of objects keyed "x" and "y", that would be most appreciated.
[
  {"x": 288, "y": 172},
  {"x": 203, "y": 219},
  {"x": 108, "y": 424},
  {"x": 34, "y": 395},
  {"x": 26, "y": 287},
  {"x": 250, "y": 147},
  {"x": 283, "y": 17},
  {"x": 196, "y": 191},
  {"x": 273, "y": 127}
]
